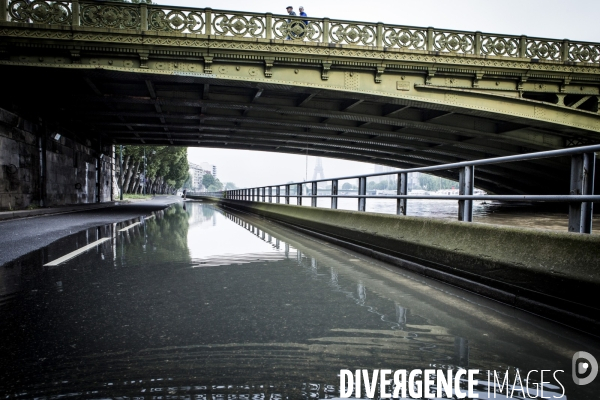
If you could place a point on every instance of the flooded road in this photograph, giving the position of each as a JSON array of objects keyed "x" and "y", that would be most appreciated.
[{"x": 205, "y": 303}]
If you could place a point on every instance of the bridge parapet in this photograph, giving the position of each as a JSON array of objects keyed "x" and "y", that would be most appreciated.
[{"x": 319, "y": 31}]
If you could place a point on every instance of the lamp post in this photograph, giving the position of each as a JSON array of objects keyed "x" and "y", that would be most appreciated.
[
  {"x": 144, "y": 180},
  {"x": 121, "y": 172}
]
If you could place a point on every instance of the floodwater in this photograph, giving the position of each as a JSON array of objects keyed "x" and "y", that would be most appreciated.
[{"x": 205, "y": 303}]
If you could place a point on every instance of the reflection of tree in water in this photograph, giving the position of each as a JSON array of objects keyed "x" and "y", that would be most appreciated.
[
  {"x": 166, "y": 237},
  {"x": 208, "y": 212}
]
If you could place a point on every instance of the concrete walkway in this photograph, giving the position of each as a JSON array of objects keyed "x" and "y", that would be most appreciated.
[{"x": 30, "y": 230}]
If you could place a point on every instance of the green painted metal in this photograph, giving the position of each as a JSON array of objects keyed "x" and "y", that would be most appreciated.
[{"x": 373, "y": 92}]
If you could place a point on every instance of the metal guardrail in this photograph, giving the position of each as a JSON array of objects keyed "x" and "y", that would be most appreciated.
[
  {"x": 268, "y": 26},
  {"x": 580, "y": 198}
]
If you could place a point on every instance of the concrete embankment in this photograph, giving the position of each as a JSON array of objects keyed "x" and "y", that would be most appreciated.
[{"x": 553, "y": 274}]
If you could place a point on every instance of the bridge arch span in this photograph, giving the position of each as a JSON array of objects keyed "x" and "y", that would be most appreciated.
[{"x": 376, "y": 102}]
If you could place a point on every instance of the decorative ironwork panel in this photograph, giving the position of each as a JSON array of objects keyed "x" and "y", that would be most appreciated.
[
  {"x": 184, "y": 21},
  {"x": 499, "y": 46},
  {"x": 584, "y": 52},
  {"x": 454, "y": 42},
  {"x": 543, "y": 49},
  {"x": 41, "y": 12},
  {"x": 352, "y": 33},
  {"x": 297, "y": 29},
  {"x": 239, "y": 25},
  {"x": 405, "y": 38},
  {"x": 110, "y": 16}
]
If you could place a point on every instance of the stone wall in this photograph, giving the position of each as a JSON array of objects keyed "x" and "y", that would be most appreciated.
[{"x": 70, "y": 167}]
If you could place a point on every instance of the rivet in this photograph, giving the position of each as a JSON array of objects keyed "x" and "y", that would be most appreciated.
[
  {"x": 110, "y": 62},
  {"x": 402, "y": 77},
  {"x": 237, "y": 68},
  {"x": 497, "y": 83},
  {"x": 296, "y": 71}
]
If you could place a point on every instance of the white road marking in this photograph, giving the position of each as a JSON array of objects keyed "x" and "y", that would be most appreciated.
[
  {"x": 129, "y": 227},
  {"x": 75, "y": 253}
]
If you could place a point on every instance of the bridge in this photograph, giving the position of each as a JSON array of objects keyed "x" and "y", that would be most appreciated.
[
  {"x": 517, "y": 116},
  {"x": 110, "y": 73}
]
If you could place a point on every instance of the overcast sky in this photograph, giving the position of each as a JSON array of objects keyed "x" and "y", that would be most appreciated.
[{"x": 575, "y": 20}]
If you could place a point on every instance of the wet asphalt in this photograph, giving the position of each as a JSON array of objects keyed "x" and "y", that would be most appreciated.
[{"x": 22, "y": 236}]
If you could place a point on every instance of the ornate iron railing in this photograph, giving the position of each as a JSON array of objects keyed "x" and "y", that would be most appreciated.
[
  {"x": 238, "y": 24},
  {"x": 580, "y": 198}
]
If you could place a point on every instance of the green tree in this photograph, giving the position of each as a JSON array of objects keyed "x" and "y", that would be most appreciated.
[
  {"x": 346, "y": 186},
  {"x": 230, "y": 186},
  {"x": 166, "y": 168},
  {"x": 208, "y": 180}
]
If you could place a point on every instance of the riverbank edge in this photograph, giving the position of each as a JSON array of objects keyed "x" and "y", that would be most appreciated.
[{"x": 552, "y": 274}]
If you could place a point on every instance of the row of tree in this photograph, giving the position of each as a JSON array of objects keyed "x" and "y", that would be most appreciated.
[
  {"x": 163, "y": 170},
  {"x": 213, "y": 184}
]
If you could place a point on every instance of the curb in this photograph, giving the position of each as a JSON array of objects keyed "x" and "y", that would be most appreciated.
[{"x": 8, "y": 215}]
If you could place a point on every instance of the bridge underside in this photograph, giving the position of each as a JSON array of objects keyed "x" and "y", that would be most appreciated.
[{"x": 206, "y": 111}]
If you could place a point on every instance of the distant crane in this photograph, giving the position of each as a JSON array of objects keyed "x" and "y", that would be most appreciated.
[{"x": 318, "y": 170}]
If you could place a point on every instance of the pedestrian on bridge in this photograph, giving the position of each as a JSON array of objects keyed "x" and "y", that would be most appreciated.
[
  {"x": 290, "y": 11},
  {"x": 305, "y": 21},
  {"x": 303, "y": 14}
]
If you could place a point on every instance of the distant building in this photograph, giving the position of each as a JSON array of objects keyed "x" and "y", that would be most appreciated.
[
  {"x": 413, "y": 177},
  {"x": 198, "y": 171},
  {"x": 384, "y": 168}
]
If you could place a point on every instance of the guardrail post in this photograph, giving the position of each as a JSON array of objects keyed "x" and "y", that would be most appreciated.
[
  {"x": 379, "y": 38},
  {"x": 313, "y": 193},
  {"x": 430, "y": 39},
  {"x": 208, "y": 21},
  {"x": 564, "y": 51},
  {"x": 270, "y": 194},
  {"x": 3, "y": 10},
  {"x": 325, "y": 30},
  {"x": 74, "y": 11},
  {"x": 582, "y": 183},
  {"x": 523, "y": 46},
  {"x": 287, "y": 194},
  {"x": 465, "y": 187},
  {"x": 264, "y": 195},
  {"x": 253, "y": 194},
  {"x": 362, "y": 191},
  {"x": 144, "y": 16},
  {"x": 299, "y": 194},
  {"x": 277, "y": 193},
  {"x": 334, "y": 192},
  {"x": 269, "y": 26},
  {"x": 478, "y": 43},
  {"x": 403, "y": 191}
]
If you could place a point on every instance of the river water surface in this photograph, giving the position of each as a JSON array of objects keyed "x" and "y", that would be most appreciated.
[{"x": 204, "y": 303}]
